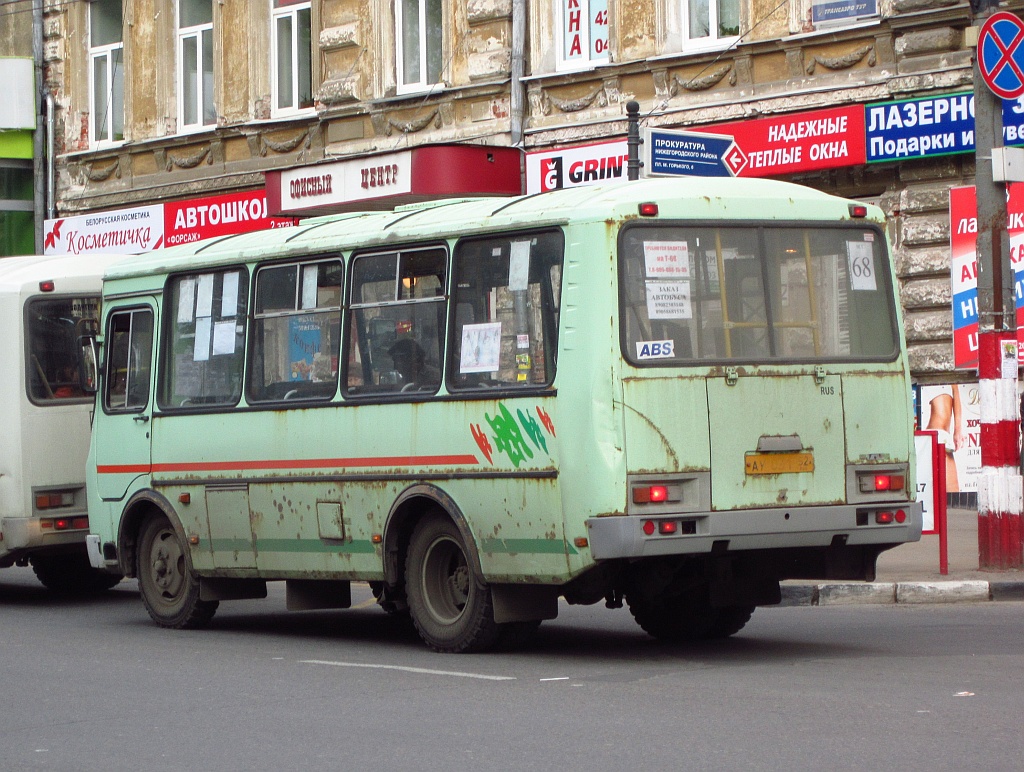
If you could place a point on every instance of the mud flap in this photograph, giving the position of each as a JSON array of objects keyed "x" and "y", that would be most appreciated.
[{"x": 523, "y": 602}]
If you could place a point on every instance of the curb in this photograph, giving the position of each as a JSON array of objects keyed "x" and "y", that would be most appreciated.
[{"x": 904, "y": 593}]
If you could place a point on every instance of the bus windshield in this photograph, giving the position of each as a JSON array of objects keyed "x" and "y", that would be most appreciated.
[
  {"x": 53, "y": 328},
  {"x": 756, "y": 293}
]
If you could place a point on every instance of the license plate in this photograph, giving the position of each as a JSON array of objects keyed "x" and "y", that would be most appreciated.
[{"x": 779, "y": 463}]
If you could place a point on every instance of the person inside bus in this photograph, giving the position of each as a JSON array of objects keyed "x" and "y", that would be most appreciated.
[{"x": 411, "y": 363}]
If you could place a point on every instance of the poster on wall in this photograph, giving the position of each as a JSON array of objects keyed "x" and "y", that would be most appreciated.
[
  {"x": 963, "y": 269},
  {"x": 953, "y": 411}
]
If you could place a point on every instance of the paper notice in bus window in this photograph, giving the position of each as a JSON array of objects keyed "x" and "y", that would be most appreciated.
[
  {"x": 667, "y": 258},
  {"x": 201, "y": 352},
  {"x": 481, "y": 348},
  {"x": 519, "y": 266},
  {"x": 862, "y": 265},
  {"x": 309, "y": 274},
  {"x": 186, "y": 300},
  {"x": 224, "y": 338},
  {"x": 229, "y": 295},
  {"x": 668, "y": 300},
  {"x": 204, "y": 295}
]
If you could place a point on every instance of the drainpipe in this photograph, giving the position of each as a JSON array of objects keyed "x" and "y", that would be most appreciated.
[
  {"x": 38, "y": 148},
  {"x": 518, "y": 88},
  {"x": 51, "y": 183}
]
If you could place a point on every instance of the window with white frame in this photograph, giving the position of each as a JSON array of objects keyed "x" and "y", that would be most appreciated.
[
  {"x": 292, "y": 26},
  {"x": 195, "y": 64},
  {"x": 420, "y": 49},
  {"x": 582, "y": 33},
  {"x": 106, "y": 72},
  {"x": 711, "y": 22}
]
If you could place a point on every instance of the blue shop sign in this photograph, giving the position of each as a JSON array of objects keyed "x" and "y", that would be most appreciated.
[
  {"x": 836, "y": 10},
  {"x": 932, "y": 126}
]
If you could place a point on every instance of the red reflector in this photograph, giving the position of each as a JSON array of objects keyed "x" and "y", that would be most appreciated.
[
  {"x": 858, "y": 210},
  {"x": 80, "y": 523},
  {"x": 60, "y": 524},
  {"x": 649, "y": 527},
  {"x": 649, "y": 209},
  {"x": 901, "y": 516},
  {"x": 668, "y": 526},
  {"x": 883, "y": 518},
  {"x": 46, "y": 524},
  {"x": 46, "y": 286}
]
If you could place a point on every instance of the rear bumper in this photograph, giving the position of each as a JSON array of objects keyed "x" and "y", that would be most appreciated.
[
  {"x": 751, "y": 530},
  {"x": 23, "y": 536}
]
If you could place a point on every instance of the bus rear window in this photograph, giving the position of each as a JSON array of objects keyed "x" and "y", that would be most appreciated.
[
  {"x": 54, "y": 326},
  {"x": 755, "y": 294}
]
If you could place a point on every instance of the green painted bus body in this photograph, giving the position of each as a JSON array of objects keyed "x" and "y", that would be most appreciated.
[{"x": 276, "y": 491}]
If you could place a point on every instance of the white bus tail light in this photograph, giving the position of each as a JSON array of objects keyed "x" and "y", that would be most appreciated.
[{"x": 47, "y": 286}]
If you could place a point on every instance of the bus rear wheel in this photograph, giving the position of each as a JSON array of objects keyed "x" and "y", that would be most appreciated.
[
  {"x": 451, "y": 610},
  {"x": 169, "y": 590},
  {"x": 71, "y": 575},
  {"x": 686, "y": 617}
]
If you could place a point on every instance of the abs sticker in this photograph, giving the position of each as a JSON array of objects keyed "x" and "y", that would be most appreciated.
[{"x": 655, "y": 349}]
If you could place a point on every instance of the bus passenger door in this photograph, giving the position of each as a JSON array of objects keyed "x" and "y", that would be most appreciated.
[{"x": 125, "y": 402}]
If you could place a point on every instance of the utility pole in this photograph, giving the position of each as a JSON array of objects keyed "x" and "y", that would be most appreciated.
[{"x": 1000, "y": 492}]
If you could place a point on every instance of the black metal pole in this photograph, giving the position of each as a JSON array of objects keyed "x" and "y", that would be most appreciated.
[{"x": 633, "y": 140}]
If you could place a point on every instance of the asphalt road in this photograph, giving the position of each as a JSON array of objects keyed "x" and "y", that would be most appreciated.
[{"x": 94, "y": 685}]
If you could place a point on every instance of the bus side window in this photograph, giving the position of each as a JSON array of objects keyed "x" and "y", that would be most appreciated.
[
  {"x": 507, "y": 295},
  {"x": 396, "y": 322},
  {"x": 205, "y": 339},
  {"x": 129, "y": 353},
  {"x": 296, "y": 332}
]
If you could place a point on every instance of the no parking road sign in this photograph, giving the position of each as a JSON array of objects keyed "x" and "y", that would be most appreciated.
[{"x": 1001, "y": 55}]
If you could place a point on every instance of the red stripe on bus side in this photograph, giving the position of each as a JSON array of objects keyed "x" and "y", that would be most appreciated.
[
  {"x": 123, "y": 469},
  {"x": 317, "y": 463}
]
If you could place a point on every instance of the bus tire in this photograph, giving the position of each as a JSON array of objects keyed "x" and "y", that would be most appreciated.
[
  {"x": 686, "y": 617},
  {"x": 451, "y": 610},
  {"x": 71, "y": 575},
  {"x": 169, "y": 589}
]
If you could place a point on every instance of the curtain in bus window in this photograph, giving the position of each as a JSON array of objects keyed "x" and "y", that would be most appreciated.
[
  {"x": 54, "y": 327},
  {"x": 129, "y": 354},
  {"x": 396, "y": 322},
  {"x": 296, "y": 332},
  {"x": 507, "y": 294},
  {"x": 746, "y": 293},
  {"x": 202, "y": 361}
]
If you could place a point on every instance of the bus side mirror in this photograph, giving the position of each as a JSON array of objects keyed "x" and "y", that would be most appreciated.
[{"x": 88, "y": 364}]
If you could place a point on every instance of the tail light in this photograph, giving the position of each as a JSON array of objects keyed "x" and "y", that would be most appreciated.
[
  {"x": 55, "y": 499},
  {"x": 656, "y": 493},
  {"x": 873, "y": 483}
]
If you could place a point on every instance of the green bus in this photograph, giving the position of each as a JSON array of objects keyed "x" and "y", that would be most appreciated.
[{"x": 673, "y": 393}]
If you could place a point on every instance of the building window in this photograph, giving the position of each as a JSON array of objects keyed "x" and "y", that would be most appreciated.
[
  {"x": 711, "y": 22},
  {"x": 195, "y": 64},
  {"x": 106, "y": 58},
  {"x": 292, "y": 56},
  {"x": 582, "y": 33},
  {"x": 419, "y": 32}
]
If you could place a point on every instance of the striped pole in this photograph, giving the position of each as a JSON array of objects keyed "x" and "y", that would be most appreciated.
[{"x": 1000, "y": 492}]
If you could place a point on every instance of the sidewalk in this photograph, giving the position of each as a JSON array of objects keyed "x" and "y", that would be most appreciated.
[{"x": 910, "y": 574}]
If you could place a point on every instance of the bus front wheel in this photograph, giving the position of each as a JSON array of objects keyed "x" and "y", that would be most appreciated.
[
  {"x": 169, "y": 590},
  {"x": 451, "y": 610}
]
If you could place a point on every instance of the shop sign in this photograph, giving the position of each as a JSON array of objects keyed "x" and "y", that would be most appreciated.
[
  {"x": 358, "y": 179},
  {"x": 819, "y": 139},
  {"x": 826, "y": 11},
  {"x": 572, "y": 167},
  {"x": 123, "y": 231},
  {"x": 963, "y": 230},
  {"x": 224, "y": 215}
]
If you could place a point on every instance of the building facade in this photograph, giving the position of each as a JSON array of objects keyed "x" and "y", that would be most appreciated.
[{"x": 171, "y": 101}]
